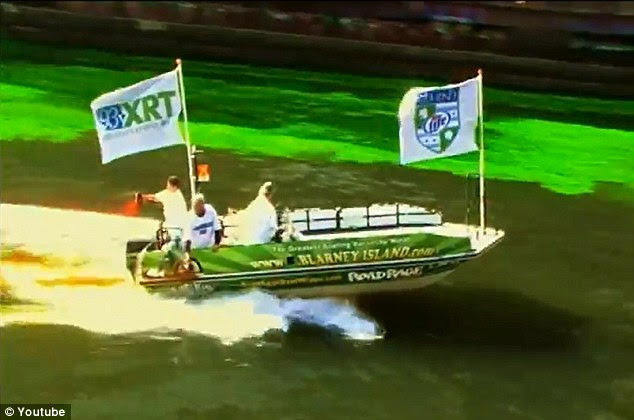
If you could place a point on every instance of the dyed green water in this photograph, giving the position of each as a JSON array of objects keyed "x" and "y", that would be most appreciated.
[
  {"x": 566, "y": 144},
  {"x": 540, "y": 327}
]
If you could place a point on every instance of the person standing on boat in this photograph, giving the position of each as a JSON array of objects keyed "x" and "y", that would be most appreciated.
[
  {"x": 204, "y": 230},
  {"x": 261, "y": 217},
  {"x": 174, "y": 206}
]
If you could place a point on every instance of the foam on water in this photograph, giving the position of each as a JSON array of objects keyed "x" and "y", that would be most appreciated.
[{"x": 71, "y": 266}]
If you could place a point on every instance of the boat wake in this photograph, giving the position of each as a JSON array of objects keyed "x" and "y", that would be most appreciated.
[{"x": 68, "y": 267}]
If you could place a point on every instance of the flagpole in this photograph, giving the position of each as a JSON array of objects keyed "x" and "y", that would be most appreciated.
[
  {"x": 190, "y": 158},
  {"x": 481, "y": 135}
]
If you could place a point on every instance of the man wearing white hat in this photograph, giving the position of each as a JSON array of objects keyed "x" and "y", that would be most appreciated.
[{"x": 204, "y": 230}]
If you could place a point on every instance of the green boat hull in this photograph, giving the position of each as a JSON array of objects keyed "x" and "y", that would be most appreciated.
[{"x": 324, "y": 267}]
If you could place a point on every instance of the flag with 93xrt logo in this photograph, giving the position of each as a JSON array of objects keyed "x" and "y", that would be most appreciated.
[
  {"x": 439, "y": 121},
  {"x": 137, "y": 118}
]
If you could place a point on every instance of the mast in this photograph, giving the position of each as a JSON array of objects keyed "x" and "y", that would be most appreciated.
[
  {"x": 190, "y": 155},
  {"x": 481, "y": 135}
]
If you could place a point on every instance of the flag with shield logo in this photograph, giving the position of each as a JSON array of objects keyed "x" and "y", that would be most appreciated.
[{"x": 439, "y": 121}]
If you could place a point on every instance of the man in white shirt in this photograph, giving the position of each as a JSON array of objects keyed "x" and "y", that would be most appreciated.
[
  {"x": 260, "y": 217},
  {"x": 174, "y": 206},
  {"x": 204, "y": 230}
]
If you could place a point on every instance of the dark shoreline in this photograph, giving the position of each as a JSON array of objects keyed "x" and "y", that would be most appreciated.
[{"x": 218, "y": 43}]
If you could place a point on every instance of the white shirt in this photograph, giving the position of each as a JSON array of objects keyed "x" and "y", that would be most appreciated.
[
  {"x": 261, "y": 221},
  {"x": 174, "y": 208},
  {"x": 202, "y": 230}
]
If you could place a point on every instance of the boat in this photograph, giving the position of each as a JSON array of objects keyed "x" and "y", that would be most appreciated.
[
  {"x": 320, "y": 252},
  {"x": 342, "y": 252}
]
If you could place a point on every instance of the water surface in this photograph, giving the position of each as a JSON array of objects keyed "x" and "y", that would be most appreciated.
[{"x": 541, "y": 327}]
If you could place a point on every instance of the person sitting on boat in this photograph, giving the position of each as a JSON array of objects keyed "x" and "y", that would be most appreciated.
[
  {"x": 204, "y": 230},
  {"x": 174, "y": 206},
  {"x": 260, "y": 217}
]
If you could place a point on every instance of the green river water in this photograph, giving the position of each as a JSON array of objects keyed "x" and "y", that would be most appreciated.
[{"x": 542, "y": 327}]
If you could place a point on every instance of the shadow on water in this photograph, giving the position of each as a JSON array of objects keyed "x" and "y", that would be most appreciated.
[
  {"x": 450, "y": 317},
  {"x": 303, "y": 334},
  {"x": 473, "y": 316}
]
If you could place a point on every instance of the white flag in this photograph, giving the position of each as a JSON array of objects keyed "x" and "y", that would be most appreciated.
[
  {"x": 439, "y": 121},
  {"x": 137, "y": 118}
]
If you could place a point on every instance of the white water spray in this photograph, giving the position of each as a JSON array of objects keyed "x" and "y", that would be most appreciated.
[{"x": 72, "y": 268}]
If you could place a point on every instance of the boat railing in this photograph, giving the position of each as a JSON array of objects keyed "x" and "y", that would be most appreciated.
[{"x": 316, "y": 220}]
